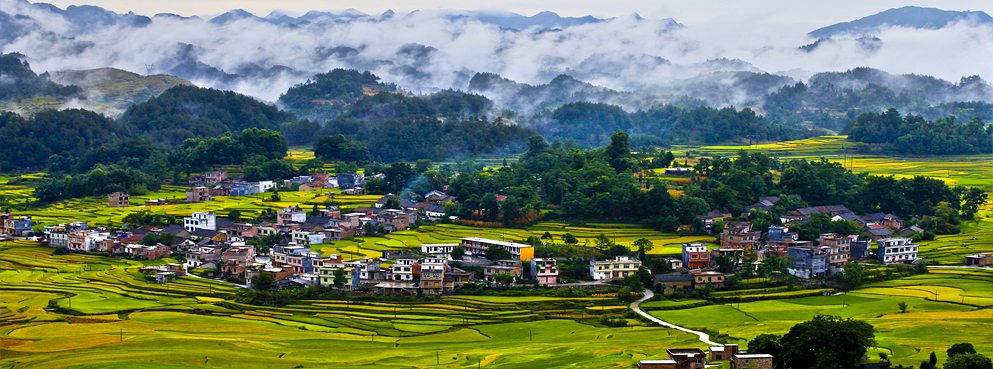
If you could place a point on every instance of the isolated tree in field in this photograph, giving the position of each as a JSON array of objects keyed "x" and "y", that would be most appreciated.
[
  {"x": 495, "y": 252},
  {"x": 961, "y": 348},
  {"x": 234, "y": 215},
  {"x": 569, "y": 239},
  {"x": 969, "y": 361},
  {"x": 903, "y": 306},
  {"x": 603, "y": 242},
  {"x": 933, "y": 360},
  {"x": 644, "y": 245},
  {"x": 458, "y": 252},
  {"x": 827, "y": 342},
  {"x": 972, "y": 199},
  {"x": 264, "y": 281}
]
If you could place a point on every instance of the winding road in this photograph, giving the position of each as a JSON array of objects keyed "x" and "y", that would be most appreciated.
[{"x": 705, "y": 338}]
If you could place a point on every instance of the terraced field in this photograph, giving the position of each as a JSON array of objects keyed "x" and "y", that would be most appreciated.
[
  {"x": 946, "y": 306},
  {"x": 111, "y": 314}
]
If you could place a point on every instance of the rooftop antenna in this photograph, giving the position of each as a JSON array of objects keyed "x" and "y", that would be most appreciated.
[{"x": 149, "y": 67}]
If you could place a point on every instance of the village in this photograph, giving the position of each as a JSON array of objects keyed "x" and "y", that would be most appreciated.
[{"x": 217, "y": 248}]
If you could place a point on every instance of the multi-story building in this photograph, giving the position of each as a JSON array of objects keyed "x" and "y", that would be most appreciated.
[
  {"x": 369, "y": 269},
  {"x": 779, "y": 233},
  {"x": 839, "y": 248},
  {"x": 407, "y": 270},
  {"x": 58, "y": 235},
  {"x": 695, "y": 255},
  {"x": 86, "y": 239},
  {"x": 433, "y": 275},
  {"x": 198, "y": 194},
  {"x": 200, "y": 220},
  {"x": 243, "y": 254},
  {"x": 512, "y": 267},
  {"x": 739, "y": 235},
  {"x": 808, "y": 262},
  {"x": 215, "y": 176},
  {"x": 438, "y": 248},
  {"x": 199, "y": 255},
  {"x": 478, "y": 246},
  {"x": 545, "y": 271},
  {"x": 620, "y": 267},
  {"x": 118, "y": 200},
  {"x": 304, "y": 237},
  {"x": 15, "y": 226},
  {"x": 290, "y": 214},
  {"x": 896, "y": 250},
  {"x": 326, "y": 274}
]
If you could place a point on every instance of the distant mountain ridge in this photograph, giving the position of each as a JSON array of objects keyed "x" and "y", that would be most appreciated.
[{"x": 908, "y": 16}]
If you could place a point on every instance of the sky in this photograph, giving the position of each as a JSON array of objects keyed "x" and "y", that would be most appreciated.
[{"x": 689, "y": 12}]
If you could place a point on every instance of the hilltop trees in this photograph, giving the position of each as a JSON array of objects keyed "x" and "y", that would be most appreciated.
[{"x": 826, "y": 342}]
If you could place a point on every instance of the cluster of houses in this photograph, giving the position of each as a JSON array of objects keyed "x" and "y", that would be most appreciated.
[{"x": 694, "y": 358}]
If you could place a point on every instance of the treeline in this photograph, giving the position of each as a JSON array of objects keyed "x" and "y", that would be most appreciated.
[
  {"x": 30, "y": 141},
  {"x": 829, "y": 100},
  {"x": 561, "y": 181},
  {"x": 98, "y": 182},
  {"x": 183, "y": 112},
  {"x": 888, "y": 132},
  {"x": 20, "y": 82},
  {"x": 592, "y": 125},
  {"x": 395, "y": 127}
]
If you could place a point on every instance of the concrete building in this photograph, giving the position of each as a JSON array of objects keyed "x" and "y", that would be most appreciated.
[
  {"x": 545, "y": 271},
  {"x": 695, "y": 255},
  {"x": 839, "y": 248},
  {"x": 200, "y": 220},
  {"x": 478, "y": 246},
  {"x": 809, "y": 262},
  {"x": 86, "y": 240},
  {"x": 512, "y": 267},
  {"x": 752, "y": 361},
  {"x": 198, "y": 194},
  {"x": 739, "y": 235},
  {"x": 620, "y": 267},
  {"x": 896, "y": 250},
  {"x": 118, "y": 200},
  {"x": 290, "y": 214},
  {"x": 980, "y": 259}
]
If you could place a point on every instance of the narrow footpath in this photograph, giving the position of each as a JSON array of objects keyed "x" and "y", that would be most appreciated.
[{"x": 705, "y": 338}]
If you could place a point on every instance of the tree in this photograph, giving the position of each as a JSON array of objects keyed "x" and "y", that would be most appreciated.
[
  {"x": 767, "y": 344},
  {"x": 603, "y": 242},
  {"x": 569, "y": 239},
  {"x": 960, "y": 348},
  {"x": 725, "y": 264},
  {"x": 853, "y": 275},
  {"x": 618, "y": 250},
  {"x": 969, "y": 361},
  {"x": 496, "y": 252},
  {"x": 234, "y": 215},
  {"x": 827, "y": 341},
  {"x": 339, "y": 278},
  {"x": 903, "y": 306},
  {"x": 458, "y": 252},
  {"x": 504, "y": 278},
  {"x": 264, "y": 281},
  {"x": 933, "y": 360},
  {"x": 644, "y": 245},
  {"x": 618, "y": 151},
  {"x": 626, "y": 294},
  {"x": 972, "y": 199}
]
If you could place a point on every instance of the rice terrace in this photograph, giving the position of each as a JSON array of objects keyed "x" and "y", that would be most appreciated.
[{"x": 398, "y": 184}]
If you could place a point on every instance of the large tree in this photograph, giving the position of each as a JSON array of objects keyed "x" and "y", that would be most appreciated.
[
  {"x": 767, "y": 344},
  {"x": 827, "y": 342}
]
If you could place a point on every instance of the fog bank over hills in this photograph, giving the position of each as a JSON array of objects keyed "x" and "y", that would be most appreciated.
[{"x": 430, "y": 50}]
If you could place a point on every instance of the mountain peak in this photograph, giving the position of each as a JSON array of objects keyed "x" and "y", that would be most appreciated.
[{"x": 908, "y": 16}]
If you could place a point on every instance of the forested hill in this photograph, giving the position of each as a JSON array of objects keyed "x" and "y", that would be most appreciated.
[
  {"x": 889, "y": 133},
  {"x": 592, "y": 125},
  {"x": 327, "y": 95},
  {"x": 185, "y": 112},
  {"x": 20, "y": 82}
]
